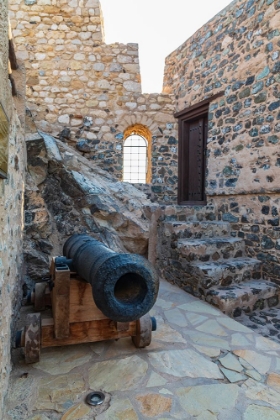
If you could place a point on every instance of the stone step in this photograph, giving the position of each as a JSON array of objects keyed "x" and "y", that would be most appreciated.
[
  {"x": 196, "y": 229},
  {"x": 211, "y": 249},
  {"x": 247, "y": 296},
  {"x": 225, "y": 273}
]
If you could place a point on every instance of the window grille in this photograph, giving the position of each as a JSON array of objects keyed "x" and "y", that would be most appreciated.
[{"x": 135, "y": 159}]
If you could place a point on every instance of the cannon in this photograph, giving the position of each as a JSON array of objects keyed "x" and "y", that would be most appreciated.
[{"x": 94, "y": 294}]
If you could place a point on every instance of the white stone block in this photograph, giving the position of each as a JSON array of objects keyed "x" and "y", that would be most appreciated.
[
  {"x": 92, "y": 3},
  {"x": 40, "y": 56},
  {"x": 103, "y": 84},
  {"x": 91, "y": 136},
  {"x": 98, "y": 67},
  {"x": 79, "y": 57},
  {"x": 131, "y": 105},
  {"x": 124, "y": 59},
  {"x": 64, "y": 119},
  {"x": 23, "y": 55},
  {"x": 85, "y": 35},
  {"x": 131, "y": 86},
  {"x": 76, "y": 122}
]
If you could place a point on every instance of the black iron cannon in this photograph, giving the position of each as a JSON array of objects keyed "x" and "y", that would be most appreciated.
[
  {"x": 94, "y": 294},
  {"x": 124, "y": 286}
]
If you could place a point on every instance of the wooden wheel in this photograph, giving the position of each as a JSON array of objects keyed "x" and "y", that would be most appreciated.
[
  {"x": 32, "y": 338},
  {"x": 143, "y": 335},
  {"x": 39, "y": 296}
]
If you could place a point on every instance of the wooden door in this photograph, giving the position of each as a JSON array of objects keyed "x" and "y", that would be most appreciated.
[
  {"x": 192, "y": 165},
  {"x": 193, "y": 133}
]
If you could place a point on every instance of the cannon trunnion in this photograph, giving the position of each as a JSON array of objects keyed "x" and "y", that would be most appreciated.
[{"x": 95, "y": 294}]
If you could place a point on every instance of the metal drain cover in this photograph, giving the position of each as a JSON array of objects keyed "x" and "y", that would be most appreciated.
[{"x": 95, "y": 398}]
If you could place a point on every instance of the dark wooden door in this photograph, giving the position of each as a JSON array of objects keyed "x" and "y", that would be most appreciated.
[{"x": 192, "y": 152}]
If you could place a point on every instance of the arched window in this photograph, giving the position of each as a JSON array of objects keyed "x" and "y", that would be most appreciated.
[{"x": 135, "y": 159}]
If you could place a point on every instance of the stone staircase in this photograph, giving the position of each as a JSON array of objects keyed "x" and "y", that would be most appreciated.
[{"x": 203, "y": 258}]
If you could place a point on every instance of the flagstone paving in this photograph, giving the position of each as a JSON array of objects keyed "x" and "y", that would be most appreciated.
[
  {"x": 263, "y": 321},
  {"x": 200, "y": 365}
]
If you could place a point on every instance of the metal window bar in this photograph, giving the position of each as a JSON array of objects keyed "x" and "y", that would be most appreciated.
[{"x": 135, "y": 159}]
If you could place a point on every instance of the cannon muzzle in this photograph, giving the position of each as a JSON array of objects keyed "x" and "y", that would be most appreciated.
[{"x": 124, "y": 286}]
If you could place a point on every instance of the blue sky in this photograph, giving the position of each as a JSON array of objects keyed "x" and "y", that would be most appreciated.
[{"x": 158, "y": 26}]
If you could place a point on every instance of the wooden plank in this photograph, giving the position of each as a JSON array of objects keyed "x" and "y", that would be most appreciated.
[
  {"x": 85, "y": 332},
  {"x": 47, "y": 321},
  {"x": 122, "y": 326},
  {"x": 52, "y": 268},
  {"x": 82, "y": 306},
  {"x": 60, "y": 303}
]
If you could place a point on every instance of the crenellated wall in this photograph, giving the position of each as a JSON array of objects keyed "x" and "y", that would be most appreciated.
[{"x": 88, "y": 93}]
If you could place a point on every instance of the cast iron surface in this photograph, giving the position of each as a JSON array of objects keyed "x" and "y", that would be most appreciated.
[{"x": 124, "y": 286}]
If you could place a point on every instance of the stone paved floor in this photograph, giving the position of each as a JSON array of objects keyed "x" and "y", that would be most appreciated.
[
  {"x": 201, "y": 365},
  {"x": 264, "y": 321}
]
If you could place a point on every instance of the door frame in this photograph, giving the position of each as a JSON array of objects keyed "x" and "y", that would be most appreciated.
[{"x": 186, "y": 116}]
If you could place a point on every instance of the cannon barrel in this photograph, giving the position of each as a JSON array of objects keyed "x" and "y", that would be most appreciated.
[{"x": 124, "y": 286}]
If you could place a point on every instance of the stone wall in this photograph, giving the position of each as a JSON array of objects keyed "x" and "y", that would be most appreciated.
[
  {"x": 11, "y": 209},
  {"x": 4, "y": 91},
  {"x": 254, "y": 218},
  {"x": 237, "y": 54},
  {"x": 88, "y": 93}
]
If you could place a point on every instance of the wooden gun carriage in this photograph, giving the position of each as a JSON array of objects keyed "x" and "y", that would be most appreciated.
[{"x": 95, "y": 294}]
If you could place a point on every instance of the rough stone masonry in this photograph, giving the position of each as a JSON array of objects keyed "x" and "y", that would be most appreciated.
[
  {"x": 90, "y": 92},
  {"x": 237, "y": 53},
  {"x": 89, "y": 95},
  {"x": 11, "y": 203}
]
